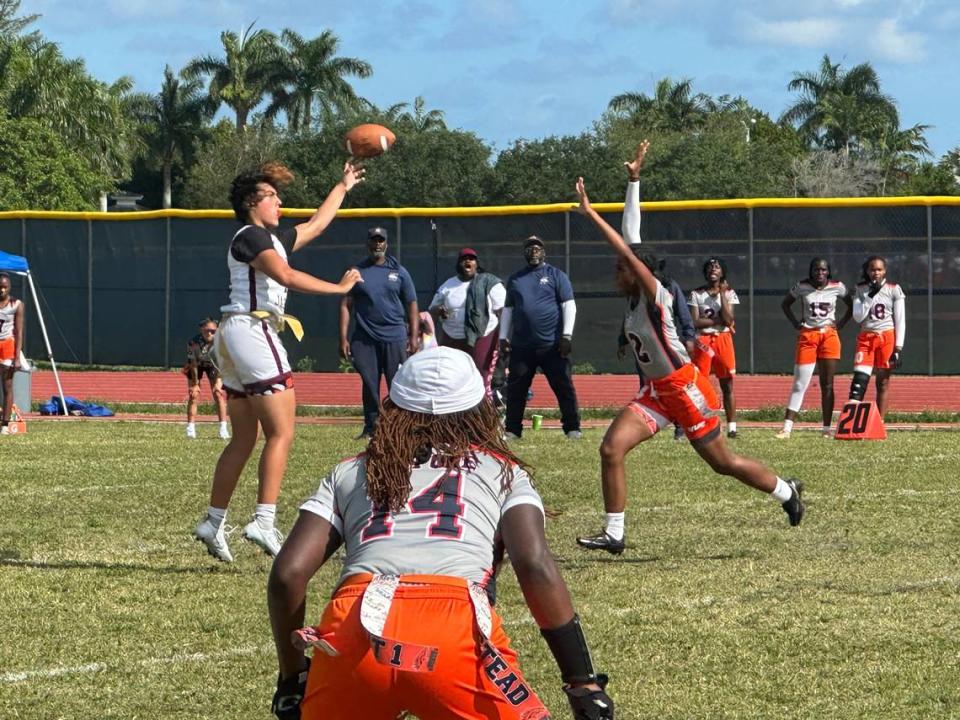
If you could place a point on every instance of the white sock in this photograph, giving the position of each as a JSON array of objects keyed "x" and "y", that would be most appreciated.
[
  {"x": 826, "y": 429},
  {"x": 614, "y": 526},
  {"x": 223, "y": 426},
  {"x": 191, "y": 427},
  {"x": 732, "y": 426},
  {"x": 217, "y": 515},
  {"x": 787, "y": 426},
  {"x": 265, "y": 514},
  {"x": 782, "y": 492}
]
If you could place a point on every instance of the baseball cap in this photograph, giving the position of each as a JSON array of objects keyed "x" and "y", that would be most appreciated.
[
  {"x": 467, "y": 252},
  {"x": 376, "y": 232},
  {"x": 532, "y": 240},
  {"x": 437, "y": 381}
]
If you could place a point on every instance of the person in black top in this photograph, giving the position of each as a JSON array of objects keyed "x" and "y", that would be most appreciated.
[{"x": 199, "y": 364}]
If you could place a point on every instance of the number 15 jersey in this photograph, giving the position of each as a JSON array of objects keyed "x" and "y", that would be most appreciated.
[
  {"x": 446, "y": 527},
  {"x": 818, "y": 306}
]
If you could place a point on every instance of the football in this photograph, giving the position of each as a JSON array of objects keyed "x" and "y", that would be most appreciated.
[{"x": 369, "y": 140}]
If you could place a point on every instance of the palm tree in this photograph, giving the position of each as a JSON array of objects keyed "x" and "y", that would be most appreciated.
[
  {"x": 674, "y": 106},
  {"x": 900, "y": 152},
  {"x": 10, "y": 25},
  {"x": 171, "y": 122},
  {"x": 420, "y": 120},
  {"x": 839, "y": 110},
  {"x": 312, "y": 74},
  {"x": 244, "y": 75}
]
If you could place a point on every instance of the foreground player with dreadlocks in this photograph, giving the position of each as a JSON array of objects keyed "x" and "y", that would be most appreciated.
[
  {"x": 420, "y": 513},
  {"x": 676, "y": 391}
]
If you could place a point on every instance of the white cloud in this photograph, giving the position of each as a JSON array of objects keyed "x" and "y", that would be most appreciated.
[
  {"x": 810, "y": 32},
  {"x": 891, "y": 42}
]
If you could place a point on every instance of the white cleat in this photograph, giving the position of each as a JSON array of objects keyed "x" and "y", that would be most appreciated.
[
  {"x": 191, "y": 432},
  {"x": 224, "y": 434},
  {"x": 215, "y": 538},
  {"x": 269, "y": 539},
  {"x": 782, "y": 435}
]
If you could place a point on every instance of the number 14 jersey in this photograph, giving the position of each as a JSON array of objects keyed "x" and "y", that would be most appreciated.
[{"x": 446, "y": 527}]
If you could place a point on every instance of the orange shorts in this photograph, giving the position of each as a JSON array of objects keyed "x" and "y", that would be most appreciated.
[
  {"x": 684, "y": 397},
  {"x": 874, "y": 349},
  {"x": 8, "y": 348},
  {"x": 715, "y": 354},
  {"x": 817, "y": 344},
  {"x": 470, "y": 677}
]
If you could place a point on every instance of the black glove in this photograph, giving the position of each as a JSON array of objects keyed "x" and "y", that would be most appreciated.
[
  {"x": 565, "y": 346},
  {"x": 895, "y": 358},
  {"x": 875, "y": 288},
  {"x": 286, "y": 700},
  {"x": 590, "y": 704}
]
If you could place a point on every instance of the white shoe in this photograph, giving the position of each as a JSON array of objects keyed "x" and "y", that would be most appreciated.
[
  {"x": 574, "y": 435},
  {"x": 510, "y": 437},
  {"x": 4, "y": 430},
  {"x": 269, "y": 540},
  {"x": 215, "y": 538},
  {"x": 191, "y": 432},
  {"x": 782, "y": 435},
  {"x": 224, "y": 434}
]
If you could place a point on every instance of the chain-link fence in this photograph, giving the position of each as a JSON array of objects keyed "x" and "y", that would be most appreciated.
[{"x": 131, "y": 288}]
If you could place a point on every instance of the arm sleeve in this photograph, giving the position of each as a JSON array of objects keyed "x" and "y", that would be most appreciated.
[
  {"x": 250, "y": 242},
  {"x": 506, "y": 323},
  {"x": 861, "y": 306},
  {"x": 899, "y": 317},
  {"x": 569, "y": 310},
  {"x": 498, "y": 297},
  {"x": 323, "y": 502},
  {"x": 521, "y": 492},
  {"x": 408, "y": 293},
  {"x": 631, "y": 214}
]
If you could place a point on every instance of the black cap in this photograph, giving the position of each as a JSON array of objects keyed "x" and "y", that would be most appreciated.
[
  {"x": 376, "y": 232},
  {"x": 532, "y": 240}
]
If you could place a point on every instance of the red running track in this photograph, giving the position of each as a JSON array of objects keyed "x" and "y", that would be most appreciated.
[{"x": 907, "y": 393}]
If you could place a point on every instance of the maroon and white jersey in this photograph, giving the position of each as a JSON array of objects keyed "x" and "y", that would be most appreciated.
[
  {"x": 446, "y": 528},
  {"x": 818, "y": 306},
  {"x": 648, "y": 327},
  {"x": 249, "y": 288},
  {"x": 884, "y": 311},
  {"x": 708, "y": 306},
  {"x": 8, "y": 314}
]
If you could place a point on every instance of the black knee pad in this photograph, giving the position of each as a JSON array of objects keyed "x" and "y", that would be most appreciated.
[{"x": 858, "y": 387}]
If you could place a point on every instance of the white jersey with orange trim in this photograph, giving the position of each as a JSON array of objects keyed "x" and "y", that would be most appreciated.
[
  {"x": 447, "y": 527},
  {"x": 884, "y": 311},
  {"x": 818, "y": 306},
  {"x": 8, "y": 314},
  {"x": 708, "y": 306},
  {"x": 648, "y": 327}
]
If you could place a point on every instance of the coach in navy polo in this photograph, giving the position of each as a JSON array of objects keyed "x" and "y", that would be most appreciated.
[
  {"x": 536, "y": 329},
  {"x": 386, "y": 323}
]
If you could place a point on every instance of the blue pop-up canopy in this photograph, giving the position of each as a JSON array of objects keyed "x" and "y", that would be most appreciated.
[{"x": 18, "y": 265}]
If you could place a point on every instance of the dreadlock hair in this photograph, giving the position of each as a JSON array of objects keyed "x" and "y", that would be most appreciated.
[
  {"x": 866, "y": 266},
  {"x": 816, "y": 261},
  {"x": 243, "y": 189},
  {"x": 403, "y": 438},
  {"x": 719, "y": 261}
]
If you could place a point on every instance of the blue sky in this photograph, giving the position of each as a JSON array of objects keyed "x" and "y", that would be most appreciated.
[{"x": 509, "y": 69}]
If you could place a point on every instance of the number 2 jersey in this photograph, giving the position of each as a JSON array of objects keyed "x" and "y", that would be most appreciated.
[
  {"x": 447, "y": 526},
  {"x": 818, "y": 306},
  {"x": 708, "y": 306},
  {"x": 648, "y": 327},
  {"x": 884, "y": 311}
]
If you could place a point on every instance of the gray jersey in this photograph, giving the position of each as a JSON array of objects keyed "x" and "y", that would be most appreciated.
[
  {"x": 446, "y": 528},
  {"x": 649, "y": 328},
  {"x": 8, "y": 314}
]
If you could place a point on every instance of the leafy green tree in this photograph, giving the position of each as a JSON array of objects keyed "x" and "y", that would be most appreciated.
[
  {"x": 673, "y": 106},
  {"x": 41, "y": 171},
  {"x": 899, "y": 153},
  {"x": 839, "y": 109},
  {"x": 311, "y": 74},
  {"x": 171, "y": 123},
  {"x": 11, "y": 25},
  {"x": 929, "y": 179},
  {"x": 247, "y": 72}
]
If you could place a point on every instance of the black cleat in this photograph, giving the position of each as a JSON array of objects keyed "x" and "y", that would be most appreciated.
[
  {"x": 732, "y": 434},
  {"x": 794, "y": 507},
  {"x": 602, "y": 541}
]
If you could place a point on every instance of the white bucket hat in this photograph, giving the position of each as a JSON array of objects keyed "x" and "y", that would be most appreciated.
[{"x": 438, "y": 381}]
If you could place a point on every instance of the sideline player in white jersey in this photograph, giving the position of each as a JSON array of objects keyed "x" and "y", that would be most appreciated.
[
  {"x": 675, "y": 392},
  {"x": 880, "y": 308},
  {"x": 712, "y": 308},
  {"x": 420, "y": 515},
  {"x": 818, "y": 342},
  {"x": 251, "y": 358},
  {"x": 11, "y": 343}
]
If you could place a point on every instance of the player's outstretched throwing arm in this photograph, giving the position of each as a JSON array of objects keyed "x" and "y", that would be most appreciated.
[{"x": 549, "y": 601}]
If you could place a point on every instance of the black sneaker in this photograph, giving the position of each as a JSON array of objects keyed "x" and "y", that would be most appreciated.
[
  {"x": 602, "y": 541},
  {"x": 732, "y": 434},
  {"x": 794, "y": 507},
  {"x": 678, "y": 433}
]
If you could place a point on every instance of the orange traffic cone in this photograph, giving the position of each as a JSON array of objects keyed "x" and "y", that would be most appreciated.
[
  {"x": 860, "y": 421},
  {"x": 17, "y": 426}
]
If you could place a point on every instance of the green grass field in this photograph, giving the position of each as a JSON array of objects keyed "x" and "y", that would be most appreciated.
[{"x": 716, "y": 610}]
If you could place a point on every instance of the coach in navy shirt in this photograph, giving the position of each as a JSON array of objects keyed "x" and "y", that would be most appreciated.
[
  {"x": 386, "y": 323},
  {"x": 536, "y": 329}
]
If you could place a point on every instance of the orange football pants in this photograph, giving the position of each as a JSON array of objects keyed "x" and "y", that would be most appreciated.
[
  {"x": 875, "y": 349},
  {"x": 715, "y": 353},
  {"x": 684, "y": 397},
  {"x": 471, "y": 678},
  {"x": 817, "y": 344}
]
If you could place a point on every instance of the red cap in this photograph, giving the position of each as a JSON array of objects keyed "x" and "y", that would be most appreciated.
[{"x": 467, "y": 252}]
